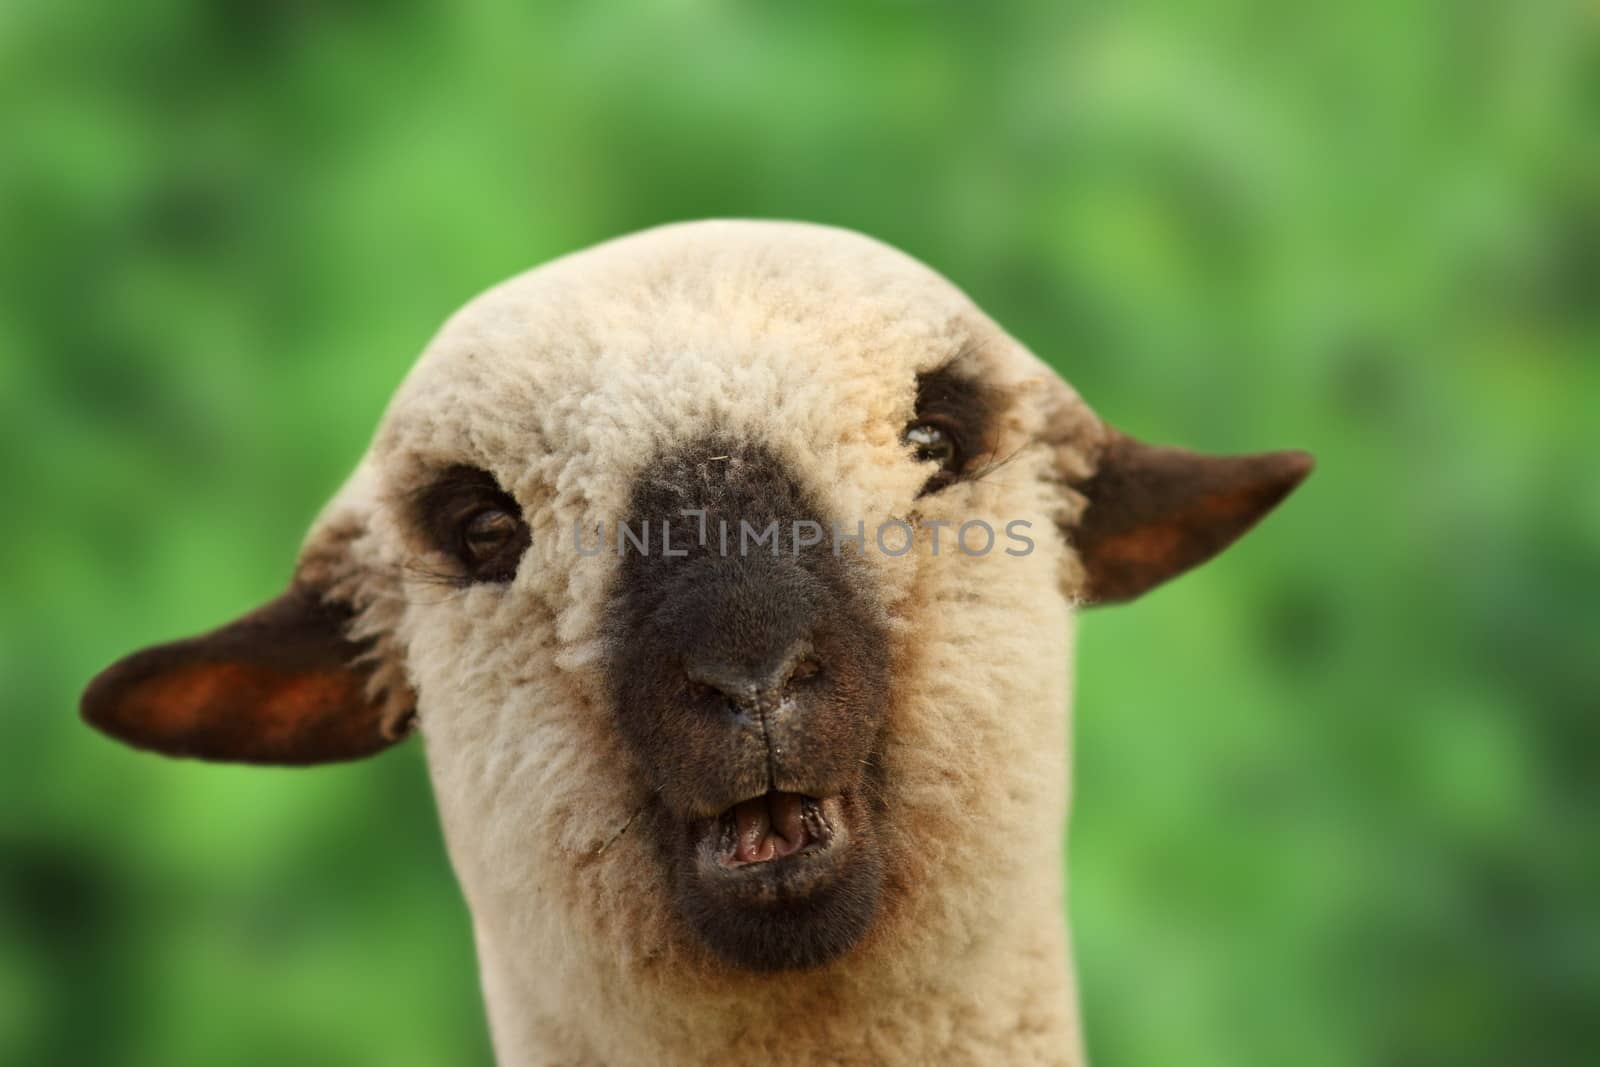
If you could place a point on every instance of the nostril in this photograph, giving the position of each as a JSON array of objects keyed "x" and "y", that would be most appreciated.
[
  {"x": 731, "y": 691},
  {"x": 805, "y": 668},
  {"x": 741, "y": 687}
]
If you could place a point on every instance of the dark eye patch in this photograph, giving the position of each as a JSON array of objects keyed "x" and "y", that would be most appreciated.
[
  {"x": 964, "y": 411},
  {"x": 465, "y": 515}
]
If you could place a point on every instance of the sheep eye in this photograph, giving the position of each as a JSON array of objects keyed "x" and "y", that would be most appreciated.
[
  {"x": 933, "y": 444},
  {"x": 466, "y": 515},
  {"x": 491, "y": 541},
  {"x": 486, "y": 533}
]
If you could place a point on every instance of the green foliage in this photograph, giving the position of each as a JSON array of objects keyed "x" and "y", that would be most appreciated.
[{"x": 1337, "y": 790}]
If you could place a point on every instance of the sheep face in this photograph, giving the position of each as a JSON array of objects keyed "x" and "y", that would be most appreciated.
[{"x": 727, "y": 572}]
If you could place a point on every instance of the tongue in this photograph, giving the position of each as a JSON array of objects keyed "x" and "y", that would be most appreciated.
[{"x": 769, "y": 827}]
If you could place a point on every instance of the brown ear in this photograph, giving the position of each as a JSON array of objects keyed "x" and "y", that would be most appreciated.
[
  {"x": 1155, "y": 512},
  {"x": 281, "y": 685}
]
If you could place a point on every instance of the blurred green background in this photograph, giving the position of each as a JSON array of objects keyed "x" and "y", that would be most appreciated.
[{"x": 1336, "y": 792}]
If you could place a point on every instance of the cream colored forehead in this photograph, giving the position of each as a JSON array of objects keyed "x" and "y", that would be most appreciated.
[{"x": 805, "y": 338}]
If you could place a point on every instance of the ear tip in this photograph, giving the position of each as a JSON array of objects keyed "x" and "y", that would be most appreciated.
[
  {"x": 1283, "y": 471},
  {"x": 1297, "y": 464},
  {"x": 95, "y": 706},
  {"x": 102, "y": 706}
]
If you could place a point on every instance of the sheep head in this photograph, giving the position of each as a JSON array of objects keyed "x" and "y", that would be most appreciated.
[{"x": 727, "y": 571}]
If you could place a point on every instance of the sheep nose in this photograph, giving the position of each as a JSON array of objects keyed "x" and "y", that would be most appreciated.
[{"x": 752, "y": 687}]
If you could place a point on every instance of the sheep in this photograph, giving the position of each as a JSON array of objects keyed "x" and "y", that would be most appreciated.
[{"x": 728, "y": 572}]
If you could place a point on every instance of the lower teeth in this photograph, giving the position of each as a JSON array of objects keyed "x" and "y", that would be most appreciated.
[{"x": 811, "y": 817}]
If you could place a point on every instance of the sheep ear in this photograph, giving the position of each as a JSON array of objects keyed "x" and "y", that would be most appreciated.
[
  {"x": 1153, "y": 512},
  {"x": 282, "y": 685}
]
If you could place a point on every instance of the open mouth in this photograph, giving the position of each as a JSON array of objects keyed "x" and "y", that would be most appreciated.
[
  {"x": 781, "y": 879},
  {"x": 787, "y": 843},
  {"x": 774, "y": 826}
]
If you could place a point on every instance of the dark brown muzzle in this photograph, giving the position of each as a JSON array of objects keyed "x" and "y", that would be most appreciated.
[
  {"x": 752, "y": 661},
  {"x": 748, "y": 672}
]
